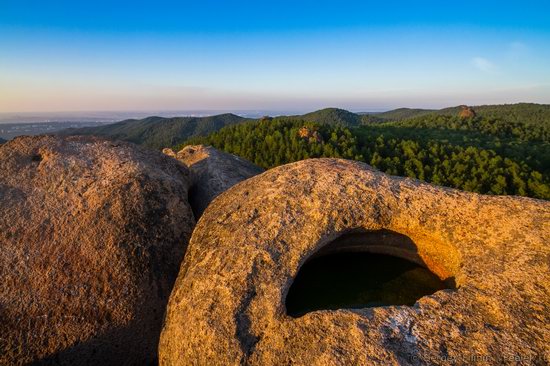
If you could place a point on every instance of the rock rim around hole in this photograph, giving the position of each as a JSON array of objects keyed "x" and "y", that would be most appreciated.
[
  {"x": 228, "y": 305},
  {"x": 355, "y": 276}
]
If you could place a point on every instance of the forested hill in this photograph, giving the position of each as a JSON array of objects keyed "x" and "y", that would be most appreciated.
[
  {"x": 501, "y": 154},
  {"x": 401, "y": 113},
  {"x": 159, "y": 132},
  {"x": 526, "y": 121},
  {"x": 529, "y": 113},
  {"x": 2, "y": 140},
  {"x": 519, "y": 112},
  {"x": 332, "y": 116}
]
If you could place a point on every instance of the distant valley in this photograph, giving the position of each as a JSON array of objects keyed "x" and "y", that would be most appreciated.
[{"x": 11, "y": 130}]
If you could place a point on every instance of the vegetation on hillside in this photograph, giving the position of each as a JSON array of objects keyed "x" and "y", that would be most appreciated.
[
  {"x": 468, "y": 155},
  {"x": 525, "y": 113},
  {"x": 490, "y": 126},
  {"x": 502, "y": 149},
  {"x": 401, "y": 113},
  {"x": 159, "y": 132},
  {"x": 332, "y": 116}
]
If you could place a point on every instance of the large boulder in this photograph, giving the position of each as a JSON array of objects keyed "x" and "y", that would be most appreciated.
[
  {"x": 229, "y": 304},
  {"x": 212, "y": 172},
  {"x": 92, "y": 233}
]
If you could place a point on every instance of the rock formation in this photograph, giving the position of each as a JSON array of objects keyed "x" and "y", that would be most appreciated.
[
  {"x": 310, "y": 134},
  {"x": 169, "y": 152},
  {"x": 92, "y": 233},
  {"x": 212, "y": 172},
  {"x": 466, "y": 112},
  {"x": 228, "y": 306}
]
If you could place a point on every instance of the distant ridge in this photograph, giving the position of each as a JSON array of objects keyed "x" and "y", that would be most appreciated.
[
  {"x": 333, "y": 116},
  {"x": 517, "y": 112},
  {"x": 403, "y": 113},
  {"x": 159, "y": 132}
]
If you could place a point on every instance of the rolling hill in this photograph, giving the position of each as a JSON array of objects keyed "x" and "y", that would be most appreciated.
[
  {"x": 519, "y": 112},
  {"x": 332, "y": 116},
  {"x": 401, "y": 113},
  {"x": 501, "y": 150},
  {"x": 523, "y": 113},
  {"x": 526, "y": 121},
  {"x": 159, "y": 132}
]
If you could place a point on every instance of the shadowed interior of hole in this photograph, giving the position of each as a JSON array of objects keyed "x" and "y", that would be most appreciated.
[{"x": 362, "y": 269}]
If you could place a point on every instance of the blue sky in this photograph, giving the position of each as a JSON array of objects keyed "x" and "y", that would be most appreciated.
[{"x": 284, "y": 55}]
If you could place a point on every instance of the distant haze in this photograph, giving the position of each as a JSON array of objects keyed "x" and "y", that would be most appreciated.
[{"x": 115, "y": 116}]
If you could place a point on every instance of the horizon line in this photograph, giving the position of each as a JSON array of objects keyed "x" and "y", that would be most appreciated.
[{"x": 237, "y": 110}]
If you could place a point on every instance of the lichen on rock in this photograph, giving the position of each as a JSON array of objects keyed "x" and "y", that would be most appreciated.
[
  {"x": 92, "y": 233},
  {"x": 228, "y": 306}
]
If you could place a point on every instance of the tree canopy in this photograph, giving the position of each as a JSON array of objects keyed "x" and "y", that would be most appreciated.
[{"x": 466, "y": 154}]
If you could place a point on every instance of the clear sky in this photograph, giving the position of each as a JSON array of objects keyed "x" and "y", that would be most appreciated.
[{"x": 271, "y": 55}]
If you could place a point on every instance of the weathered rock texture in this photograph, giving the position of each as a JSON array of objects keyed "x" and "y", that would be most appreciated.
[
  {"x": 212, "y": 172},
  {"x": 228, "y": 304},
  {"x": 92, "y": 234},
  {"x": 466, "y": 112}
]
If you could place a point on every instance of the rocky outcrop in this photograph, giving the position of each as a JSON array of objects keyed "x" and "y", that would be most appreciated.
[
  {"x": 310, "y": 134},
  {"x": 466, "y": 112},
  {"x": 212, "y": 172},
  {"x": 228, "y": 306},
  {"x": 169, "y": 152},
  {"x": 92, "y": 233}
]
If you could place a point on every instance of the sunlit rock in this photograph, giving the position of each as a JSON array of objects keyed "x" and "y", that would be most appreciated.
[
  {"x": 92, "y": 233},
  {"x": 489, "y": 253}
]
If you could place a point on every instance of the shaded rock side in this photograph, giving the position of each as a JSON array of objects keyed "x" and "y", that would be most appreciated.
[
  {"x": 228, "y": 307},
  {"x": 212, "y": 172},
  {"x": 92, "y": 233}
]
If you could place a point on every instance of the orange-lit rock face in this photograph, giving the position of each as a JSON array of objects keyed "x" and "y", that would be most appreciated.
[
  {"x": 228, "y": 306},
  {"x": 466, "y": 112},
  {"x": 309, "y": 134},
  {"x": 92, "y": 233}
]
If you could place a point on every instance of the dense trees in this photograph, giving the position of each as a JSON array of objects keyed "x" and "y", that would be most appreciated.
[
  {"x": 491, "y": 126},
  {"x": 333, "y": 116},
  {"x": 465, "y": 155},
  {"x": 269, "y": 143},
  {"x": 159, "y": 132}
]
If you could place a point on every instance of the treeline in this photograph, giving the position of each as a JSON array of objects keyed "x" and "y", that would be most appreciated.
[
  {"x": 487, "y": 125},
  {"x": 535, "y": 154},
  {"x": 269, "y": 143}
]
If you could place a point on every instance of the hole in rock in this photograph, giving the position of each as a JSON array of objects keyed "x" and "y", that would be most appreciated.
[{"x": 360, "y": 270}]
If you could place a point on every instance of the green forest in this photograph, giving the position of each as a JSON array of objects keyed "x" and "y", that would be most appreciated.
[{"x": 486, "y": 154}]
